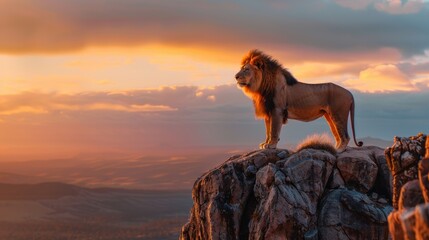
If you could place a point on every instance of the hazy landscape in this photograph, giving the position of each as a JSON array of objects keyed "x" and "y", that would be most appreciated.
[
  {"x": 63, "y": 211},
  {"x": 99, "y": 198},
  {"x": 104, "y": 198}
]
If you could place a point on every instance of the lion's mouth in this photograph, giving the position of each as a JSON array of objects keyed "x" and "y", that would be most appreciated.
[{"x": 243, "y": 84}]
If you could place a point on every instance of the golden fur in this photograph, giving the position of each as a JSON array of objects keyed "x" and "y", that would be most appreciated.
[
  {"x": 278, "y": 96},
  {"x": 317, "y": 141},
  {"x": 267, "y": 78}
]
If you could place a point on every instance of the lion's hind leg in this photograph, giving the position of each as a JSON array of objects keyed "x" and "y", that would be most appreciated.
[
  {"x": 339, "y": 123},
  {"x": 333, "y": 129}
]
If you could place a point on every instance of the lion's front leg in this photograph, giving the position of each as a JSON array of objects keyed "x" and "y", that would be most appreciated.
[
  {"x": 274, "y": 129},
  {"x": 267, "y": 132}
]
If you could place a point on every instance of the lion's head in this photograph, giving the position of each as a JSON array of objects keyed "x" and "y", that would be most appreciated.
[
  {"x": 259, "y": 72},
  {"x": 249, "y": 77},
  {"x": 258, "y": 77}
]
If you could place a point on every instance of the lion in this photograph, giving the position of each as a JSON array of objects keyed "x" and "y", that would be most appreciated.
[{"x": 277, "y": 96}]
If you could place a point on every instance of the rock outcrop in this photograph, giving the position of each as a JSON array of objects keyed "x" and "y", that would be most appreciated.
[
  {"x": 311, "y": 194},
  {"x": 408, "y": 160},
  {"x": 403, "y": 158}
]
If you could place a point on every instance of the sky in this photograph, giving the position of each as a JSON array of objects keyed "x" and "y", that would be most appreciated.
[{"x": 150, "y": 76}]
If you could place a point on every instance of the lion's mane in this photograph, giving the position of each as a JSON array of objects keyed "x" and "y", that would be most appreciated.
[{"x": 263, "y": 99}]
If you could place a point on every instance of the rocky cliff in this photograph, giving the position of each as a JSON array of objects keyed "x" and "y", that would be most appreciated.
[
  {"x": 278, "y": 194},
  {"x": 410, "y": 168}
]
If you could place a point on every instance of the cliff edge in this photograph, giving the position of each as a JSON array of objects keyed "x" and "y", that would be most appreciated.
[{"x": 310, "y": 194}]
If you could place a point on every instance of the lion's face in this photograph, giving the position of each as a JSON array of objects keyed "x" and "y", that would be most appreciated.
[{"x": 249, "y": 77}]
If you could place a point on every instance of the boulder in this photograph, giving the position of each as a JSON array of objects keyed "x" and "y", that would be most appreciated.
[
  {"x": 411, "y": 195},
  {"x": 358, "y": 168},
  {"x": 348, "y": 214},
  {"x": 288, "y": 193}
]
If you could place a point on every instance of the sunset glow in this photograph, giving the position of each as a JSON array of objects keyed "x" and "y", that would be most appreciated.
[{"x": 87, "y": 76}]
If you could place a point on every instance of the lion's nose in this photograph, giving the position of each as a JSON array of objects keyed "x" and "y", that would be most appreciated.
[{"x": 236, "y": 76}]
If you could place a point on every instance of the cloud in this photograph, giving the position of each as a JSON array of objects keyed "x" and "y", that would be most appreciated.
[
  {"x": 23, "y": 109},
  {"x": 381, "y": 78},
  {"x": 357, "y": 5},
  {"x": 127, "y": 108},
  {"x": 230, "y": 27},
  {"x": 338, "y": 65},
  {"x": 161, "y": 100},
  {"x": 51, "y": 107},
  {"x": 43, "y": 103},
  {"x": 415, "y": 66},
  {"x": 212, "y": 98},
  {"x": 400, "y": 6},
  {"x": 422, "y": 83},
  {"x": 388, "y": 6}
]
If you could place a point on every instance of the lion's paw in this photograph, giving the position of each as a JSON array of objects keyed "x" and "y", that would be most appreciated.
[
  {"x": 341, "y": 148},
  {"x": 269, "y": 146}
]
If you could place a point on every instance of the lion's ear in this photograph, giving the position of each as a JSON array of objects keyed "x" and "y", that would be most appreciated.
[{"x": 257, "y": 62}]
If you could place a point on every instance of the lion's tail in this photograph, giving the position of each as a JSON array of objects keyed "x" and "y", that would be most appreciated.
[{"x": 352, "y": 119}]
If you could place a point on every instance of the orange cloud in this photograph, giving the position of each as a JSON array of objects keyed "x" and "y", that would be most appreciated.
[
  {"x": 127, "y": 108},
  {"x": 23, "y": 109},
  {"x": 422, "y": 82},
  {"x": 33, "y": 103},
  {"x": 381, "y": 78},
  {"x": 90, "y": 107},
  {"x": 211, "y": 98}
]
